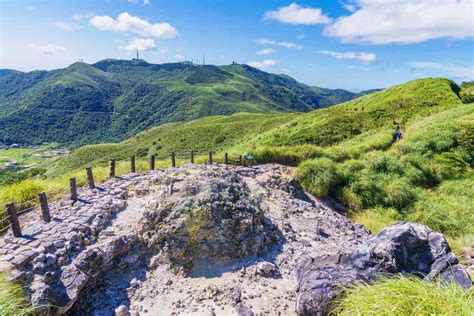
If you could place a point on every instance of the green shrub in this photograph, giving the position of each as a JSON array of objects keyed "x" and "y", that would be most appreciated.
[
  {"x": 321, "y": 177},
  {"x": 405, "y": 296}
]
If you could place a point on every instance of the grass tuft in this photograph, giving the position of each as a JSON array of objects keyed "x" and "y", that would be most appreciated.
[
  {"x": 12, "y": 299},
  {"x": 405, "y": 296}
]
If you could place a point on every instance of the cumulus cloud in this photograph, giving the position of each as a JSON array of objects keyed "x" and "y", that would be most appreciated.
[
  {"x": 266, "y": 41},
  {"x": 360, "y": 56},
  {"x": 456, "y": 71},
  {"x": 139, "y": 44},
  {"x": 264, "y": 64},
  {"x": 295, "y": 14},
  {"x": 266, "y": 51},
  {"x": 47, "y": 49},
  {"x": 68, "y": 26},
  {"x": 127, "y": 23},
  {"x": 403, "y": 22}
]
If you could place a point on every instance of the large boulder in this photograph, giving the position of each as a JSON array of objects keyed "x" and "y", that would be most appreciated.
[
  {"x": 210, "y": 218},
  {"x": 404, "y": 248}
]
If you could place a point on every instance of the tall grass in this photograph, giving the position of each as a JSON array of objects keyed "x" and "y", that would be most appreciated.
[
  {"x": 405, "y": 296},
  {"x": 12, "y": 299}
]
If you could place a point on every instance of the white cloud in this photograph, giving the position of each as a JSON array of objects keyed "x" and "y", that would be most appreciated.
[
  {"x": 145, "y": 2},
  {"x": 47, "y": 49},
  {"x": 360, "y": 56},
  {"x": 457, "y": 71},
  {"x": 30, "y": 7},
  {"x": 68, "y": 26},
  {"x": 126, "y": 23},
  {"x": 266, "y": 51},
  {"x": 266, "y": 41},
  {"x": 403, "y": 22},
  {"x": 294, "y": 14},
  {"x": 139, "y": 44},
  {"x": 264, "y": 64},
  {"x": 289, "y": 45},
  {"x": 82, "y": 16},
  {"x": 348, "y": 6}
]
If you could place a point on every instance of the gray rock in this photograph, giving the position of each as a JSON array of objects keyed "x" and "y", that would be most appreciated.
[
  {"x": 243, "y": 310},
  {"x": 122, "y": 310},
  {"x": 403, "y": 248},
  {"x": 266, "y": 268}
]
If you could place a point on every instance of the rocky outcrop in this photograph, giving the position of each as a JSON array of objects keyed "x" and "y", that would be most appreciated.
[
  {"x": 211, "y": 217},
  {"x": 404, "y": 248},
  {"x": 210, "y": 240}
]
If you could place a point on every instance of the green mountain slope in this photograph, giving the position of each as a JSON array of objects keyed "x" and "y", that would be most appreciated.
[{"x": 115, "y": 99}]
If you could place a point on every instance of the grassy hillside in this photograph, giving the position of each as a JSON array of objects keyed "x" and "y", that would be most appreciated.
[
  {"x": 346, "y": 152},
  {"x": 115, "y": 99}
]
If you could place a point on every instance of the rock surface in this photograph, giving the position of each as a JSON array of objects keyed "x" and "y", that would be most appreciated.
[
  {"x": 209, "y": 240},
  {"x": 405, "y": 248}
]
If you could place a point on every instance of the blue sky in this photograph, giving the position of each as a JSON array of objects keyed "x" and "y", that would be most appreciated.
[{"x": 350, "y": 44}]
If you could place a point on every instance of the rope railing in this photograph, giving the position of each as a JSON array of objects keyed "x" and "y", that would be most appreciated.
[{"x": 14, "y": 210}]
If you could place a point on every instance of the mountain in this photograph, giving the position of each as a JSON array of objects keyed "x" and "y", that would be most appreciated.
[{"x": 114, "y": 99}]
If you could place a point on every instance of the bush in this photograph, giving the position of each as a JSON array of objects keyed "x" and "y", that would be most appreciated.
[
  {"x": 321, "y": 177},
  {"x": 405, "y": 296}
]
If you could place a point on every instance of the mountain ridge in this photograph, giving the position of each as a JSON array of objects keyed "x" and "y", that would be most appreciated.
[{"x": 111, "y": 100}]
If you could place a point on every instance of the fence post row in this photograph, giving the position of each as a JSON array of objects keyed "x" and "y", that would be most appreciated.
[
  {"x": 152, "y": 162},
  {"x": 44, "y": 207},
  {"x": 73, "y": 185},
  {"x": 112, "y": 168},
  {"x": 210, "y": 157},
  {"x": 173, "y": 159},
  {"x": 192, "y": 156},
  {"x": 90, "y": 178},
  {"x": 226, "y": 159},
  {"x": 14, "y": 220},
  {"x": 132, "y": 164}
]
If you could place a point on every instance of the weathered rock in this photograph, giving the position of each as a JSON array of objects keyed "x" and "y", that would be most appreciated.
[
  {"x": 211, "y": 217},
  {"x": 266, "y": 268},
  {"x": 122, "y": 310},
  {"x": 405, "y": 248}
]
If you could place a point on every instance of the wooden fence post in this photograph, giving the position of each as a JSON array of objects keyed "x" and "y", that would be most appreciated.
[
  {"x": 210, "y": 157},
  {"x": 192, "y": 156},
  {"x": 14, "y": 220},
  {"x": 173, "y": 159},
  {"x": 132, "y": 164},
  {"x": 152, "y": 162},
  {"x": 90, "y": 178},
  {"x": 112, "y": 168},
  {"x": 241, "y": 161},
  {"x": 44, "y": 207},
  {"x": 73, "y": 186},
  {"x": 226, "y": 159}
]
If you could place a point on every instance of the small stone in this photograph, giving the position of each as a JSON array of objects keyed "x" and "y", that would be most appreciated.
[
  {"x": 265, "y": 268},
  {"x": 50, "y": 259},
  {"x": 59, "y": 243},
  {"x": 122, "y": 310}
]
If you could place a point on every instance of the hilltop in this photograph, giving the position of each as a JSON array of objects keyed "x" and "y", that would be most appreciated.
[{"x": 115, "y": 99}]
